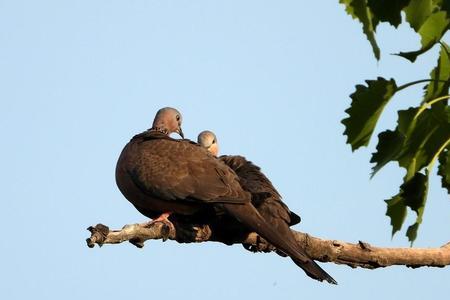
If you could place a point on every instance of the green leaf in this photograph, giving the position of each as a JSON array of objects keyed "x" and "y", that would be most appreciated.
[
  {"x": 442, "y": 5},
  {"x": 405, "y": 117},
  {"x": 367, "y": 104},
  {"x": 444, "y": 169},
  {"x": 434, "y": 28},
  {"x": 425, "y": 136},
  {"x": 412, "y": 141},
  {"x": 396, "y": 210},
  {"x": 420, "y": 136},
  {"x": 358, "y": 9},
  {"x": 445, "y": 6},
  {"x": 426, "y": 132},
  {"x": 412, "y": 56},
  {"x": 389, "y": 148},
  {"x": 431, "y": 32},
  {"x": 440, "y": 73},
  {"x": 415, "y": 193},
  {"x": 415, "y": 141},
  {"x": 388, "y": 10},
  {"x": 417, "y": 12},
  {"x": 411, "y": 233}
]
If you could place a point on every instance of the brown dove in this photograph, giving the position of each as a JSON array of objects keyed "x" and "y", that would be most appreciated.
[
  {"x": 251, "y": 178},
  {"x": 162, "y": 176},
  {"x": 265, "y": 197}
]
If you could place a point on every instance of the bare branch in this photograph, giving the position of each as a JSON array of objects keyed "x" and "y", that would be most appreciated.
[{"x": 354, "y": 255}]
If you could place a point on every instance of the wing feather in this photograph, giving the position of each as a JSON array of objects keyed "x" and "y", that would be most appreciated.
[{"x": 181, "y": 170}]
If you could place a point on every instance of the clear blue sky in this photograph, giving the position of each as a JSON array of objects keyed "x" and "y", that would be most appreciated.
[{"x": 271, "y": 78}]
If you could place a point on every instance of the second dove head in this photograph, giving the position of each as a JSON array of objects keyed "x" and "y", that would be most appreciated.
[{"x": 208, "y": 140}]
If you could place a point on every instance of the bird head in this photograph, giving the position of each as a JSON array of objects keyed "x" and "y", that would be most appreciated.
[
  {"x": 208, "y": 140},
  {"x": 168, "y": 120}
]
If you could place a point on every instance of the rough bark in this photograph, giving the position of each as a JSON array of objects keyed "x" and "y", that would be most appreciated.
[{"x": 360, "y": 254}]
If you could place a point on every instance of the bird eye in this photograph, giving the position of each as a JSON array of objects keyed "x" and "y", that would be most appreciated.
[
  {"x": 214, "y": 141},
  {"x": 178, "y": 117}
]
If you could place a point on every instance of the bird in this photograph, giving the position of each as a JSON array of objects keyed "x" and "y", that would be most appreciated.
[
  {"x": 162, "y": 176},
  {"x": 266, "y": 198}
]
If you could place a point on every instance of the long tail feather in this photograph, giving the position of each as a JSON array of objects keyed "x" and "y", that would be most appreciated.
[{"x": 249, "y": 216}]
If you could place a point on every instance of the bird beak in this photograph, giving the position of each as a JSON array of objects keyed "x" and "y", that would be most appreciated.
[{"x": 180, "y": 132}]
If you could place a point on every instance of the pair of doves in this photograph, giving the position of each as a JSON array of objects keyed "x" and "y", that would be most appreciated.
[{"x": 183, "y": 180}]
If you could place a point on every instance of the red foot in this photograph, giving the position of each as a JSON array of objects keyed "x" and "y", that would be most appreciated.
[{"x": 164, "y": 219}]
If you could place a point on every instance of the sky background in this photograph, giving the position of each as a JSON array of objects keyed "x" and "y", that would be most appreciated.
[{"x": 79, "y": 78}]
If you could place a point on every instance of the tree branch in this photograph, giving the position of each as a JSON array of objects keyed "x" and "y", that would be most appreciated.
[{"x": 354, "y": 255}]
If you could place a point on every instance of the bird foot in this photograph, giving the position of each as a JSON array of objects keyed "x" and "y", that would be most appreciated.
[
  {"x": 168, "y": 226},
  {"x": 261, "y": 245},
  {"x": 202, "y": 233}
]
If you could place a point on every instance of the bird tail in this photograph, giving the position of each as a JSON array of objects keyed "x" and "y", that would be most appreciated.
[
  {"x": 313, "y": 270},
  {"x": 250, "y": 217}
]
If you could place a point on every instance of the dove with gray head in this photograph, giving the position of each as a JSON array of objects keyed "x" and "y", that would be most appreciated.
[
  {"x": 265, "y": 197},
  {"x": 162, "y": 176}
]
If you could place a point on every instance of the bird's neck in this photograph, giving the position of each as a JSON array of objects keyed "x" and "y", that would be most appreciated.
[{"x": 159, "y": 129}]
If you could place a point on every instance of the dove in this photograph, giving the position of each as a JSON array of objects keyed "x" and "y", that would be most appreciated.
[
  {"x": 164, "y": 177},
  {"x": 253, "y": 181},
  {"x": 265, "y": 197}
]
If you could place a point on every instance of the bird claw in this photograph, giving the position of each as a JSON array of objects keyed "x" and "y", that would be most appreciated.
[
  {"x": 202, "y": 233},
  {"x": 165, "y": 231},
  {"x": 167, "y": 227},
  {"x": 261, "y": 245}
]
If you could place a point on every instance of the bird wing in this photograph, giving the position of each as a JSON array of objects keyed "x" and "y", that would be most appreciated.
[
  {"x": 251, "y": 177},
  {"x": 255, "y": 182},
  {"x": 181, "y": 170}
]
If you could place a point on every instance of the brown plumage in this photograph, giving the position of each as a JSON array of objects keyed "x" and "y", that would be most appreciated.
[
  {"x": 158, "y": 174},
  {"x": 252, "y": 180},
  {"x": 265, "y": 197}
]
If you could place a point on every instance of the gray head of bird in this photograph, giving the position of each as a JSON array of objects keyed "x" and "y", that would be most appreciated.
[
  {"x": 208, "y": 140},
  {"x": 168, "y": 120}
]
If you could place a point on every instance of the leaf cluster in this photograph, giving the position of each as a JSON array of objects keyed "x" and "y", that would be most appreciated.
[
  {"x": 429, "y": 18},
  {"x": 422, "y": 135}
]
